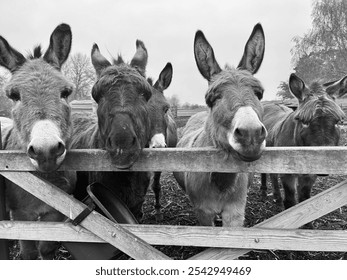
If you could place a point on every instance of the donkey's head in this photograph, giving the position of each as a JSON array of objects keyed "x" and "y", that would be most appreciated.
[
  {"x": 122, "y": 92},
  {"x": 233, "y": 96},
  {"x": 318, "y": 115},
  {"x": 158, "y": 109},
  {"x": 41, "y": 113}
]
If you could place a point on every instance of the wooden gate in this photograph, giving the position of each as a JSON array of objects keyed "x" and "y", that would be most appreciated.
[{"x": 277, "y": 233}]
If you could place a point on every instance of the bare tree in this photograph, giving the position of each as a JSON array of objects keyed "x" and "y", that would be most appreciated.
[
  {"x": 174, "y": 101},
  {"x": 80, "y": 71}
]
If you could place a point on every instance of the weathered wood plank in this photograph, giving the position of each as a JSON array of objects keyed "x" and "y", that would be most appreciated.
[
  {"x": 310, "y": 160},
  {"x": 247, "y": 238},
  {"x": 4, "y": 250},
  {"x": 294, "y": 217},
  {"x": 95, "y": 222}
]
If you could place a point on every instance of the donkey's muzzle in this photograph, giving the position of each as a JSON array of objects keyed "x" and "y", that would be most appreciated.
[
  {"x": 246, "y": 136},
  {"x": 249, "y": 143},
  {"x": 47, "y": 158},
  {"x": 123, "y": 143}
]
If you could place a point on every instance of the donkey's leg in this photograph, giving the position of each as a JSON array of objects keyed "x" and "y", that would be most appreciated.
[
  {"x": 137, "y": 193},
  {"x": 205, "y": 217},
  {"x": 276, "y": 189},
  {"x": 289, "y": 185},
  {"x": 28, "y": 250},
  {"x": 305, "y": 183},
  {"x": 48, "y": 249},
  {"x": 157, "y": 190},
  {"x": 233, "y": 213},
  {"x": 263, "y": 187}
]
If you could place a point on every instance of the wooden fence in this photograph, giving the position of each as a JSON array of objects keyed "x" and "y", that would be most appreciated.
[{"x": 280, "y": 232}]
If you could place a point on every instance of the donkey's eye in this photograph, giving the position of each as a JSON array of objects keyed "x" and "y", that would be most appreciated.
[
  {"x": 304, "y": 125},
  {"x": 259, "y": 93},
  {"x": 146, "y": 94},
  {"x": 339, "y": 123},
  {"x": 65, "y": 93},
  {"x": 14, "y": 94},
  {"x": 166, "y": 108}
]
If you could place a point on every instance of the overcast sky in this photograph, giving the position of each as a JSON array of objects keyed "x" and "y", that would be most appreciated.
[{"x": 167, "y": 27}]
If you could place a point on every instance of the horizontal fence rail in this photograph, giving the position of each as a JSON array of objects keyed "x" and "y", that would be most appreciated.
[
  {"x": 292, "y": 160},
  {"x": 219, "y": 237}
]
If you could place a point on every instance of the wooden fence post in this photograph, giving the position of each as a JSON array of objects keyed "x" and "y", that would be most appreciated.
[{"x": 4, "y": 250}]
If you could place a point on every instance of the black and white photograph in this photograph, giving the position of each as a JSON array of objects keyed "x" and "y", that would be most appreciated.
[{"x": 209, "y": 135}]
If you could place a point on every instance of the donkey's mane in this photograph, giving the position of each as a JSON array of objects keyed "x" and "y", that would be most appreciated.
[
  {"x": 318, "y": 106},
  {"x": 124, "y": 73},
  {"x": 150, "y": 81},
  {"x": 242, "y": 76},
  {"x": 119, "y": 60},
  {"x": 37, "y": 52}
]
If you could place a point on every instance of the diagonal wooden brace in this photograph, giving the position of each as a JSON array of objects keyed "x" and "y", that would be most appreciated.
[{"x": 294, "y": 217}]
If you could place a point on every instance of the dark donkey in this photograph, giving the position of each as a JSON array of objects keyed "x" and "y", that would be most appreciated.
[
  {"x": 233, "y": 124},
  {"x": 122, "y": 126},
  {"x": 164, "y": 128},
  {"x": 314, "y": 123},
  {"x": 41, "y": 127}
]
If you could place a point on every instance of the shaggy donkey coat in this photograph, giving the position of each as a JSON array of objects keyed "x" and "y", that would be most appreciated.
[{"x": 233, "y": 124}]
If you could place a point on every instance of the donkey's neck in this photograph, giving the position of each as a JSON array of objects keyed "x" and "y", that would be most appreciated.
[
  {"x": 86, "y": 134},
  {"x": 11, "y": 139},
  {"x": 287, "y": 134},
  {"x": 212, "y": 132}
]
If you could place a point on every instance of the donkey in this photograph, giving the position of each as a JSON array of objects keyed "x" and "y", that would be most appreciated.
[
  {"x": 164, "y": 128},
  {"x": 314, "y": 123},
  {"x": 41, "y": 127},
  {"x": 122, "y": 126},
  {"x": 232, "y": 124}
]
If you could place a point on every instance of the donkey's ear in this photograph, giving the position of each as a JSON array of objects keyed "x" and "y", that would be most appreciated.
[
  {"x": 9, "y": 57},
  {"x": 204, "y": 57},
  {"x": 254, "y": 50},
  {"x": 336, "y": 88},
  {"x": 98, "y": 60},
  {"x": 59, "y": 46},
  {"x": 96, "y": 94},
  {"x": 297, "y": 87},
  {"x": 165, "y": 78},
  {"x": 140, "y": 58}
]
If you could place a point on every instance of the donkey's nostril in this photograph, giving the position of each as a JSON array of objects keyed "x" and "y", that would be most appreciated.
[
  {"x": 239, "y": 132},
  {"x": 263, "y": 133},
  {"x": 31, "y": 152},
  {"x": 59, "y": 149}
]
